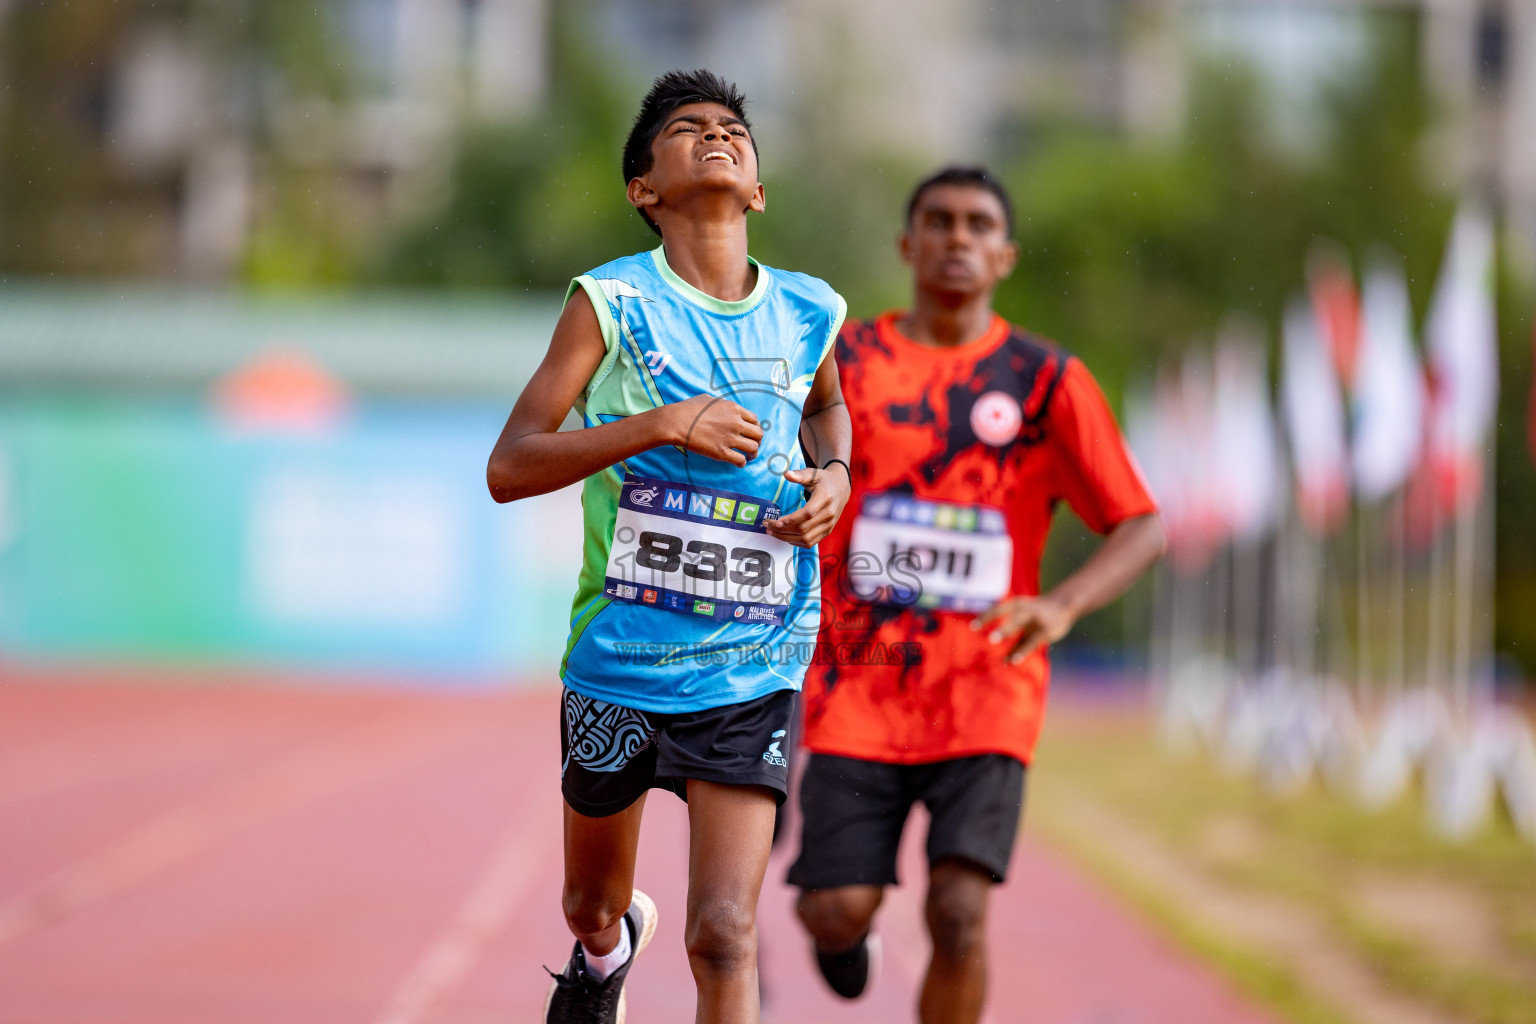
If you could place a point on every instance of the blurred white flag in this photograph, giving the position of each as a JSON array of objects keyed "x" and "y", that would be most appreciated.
[
  {"x": 1244, "y": 438},
  {"x": 1462, "y": 340},
  {"x": 1389, "y": 387},
  {"x": 1204, "y": 514},
  {"x": 1170, "y": 431},
  {"x": 1314, "y": 415}
]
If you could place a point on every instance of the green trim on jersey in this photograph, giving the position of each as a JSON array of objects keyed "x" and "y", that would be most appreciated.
[
  {"x": 837, "y": 327},
  {"x": 605, "y": 322},
  {"x": 630, "y": 391},
  {"x": 599, "y": 508},
  {"x": 706, "y": 300}
]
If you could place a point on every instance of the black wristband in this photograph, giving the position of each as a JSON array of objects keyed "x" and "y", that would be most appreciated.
[{"x": 846, "y": 468}]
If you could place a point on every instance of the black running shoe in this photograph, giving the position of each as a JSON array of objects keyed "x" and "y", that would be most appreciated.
[
  {"x": 849, "y": 973},
  {"x": 575, "y": 997}
]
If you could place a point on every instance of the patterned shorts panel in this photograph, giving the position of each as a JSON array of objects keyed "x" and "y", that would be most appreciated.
[
  {"x": 602, "y": 737},
  {"x": 612, "y": 754}
]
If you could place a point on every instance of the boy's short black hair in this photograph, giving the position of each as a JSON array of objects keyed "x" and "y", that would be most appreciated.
[
  {"x": 672, "y": 90},
  {"x": 971, "y": 176}
]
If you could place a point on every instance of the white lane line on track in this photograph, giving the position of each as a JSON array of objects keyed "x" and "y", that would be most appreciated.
[
  {"x": 319, "y": 769},
  {"x": 514, "y": 864}
]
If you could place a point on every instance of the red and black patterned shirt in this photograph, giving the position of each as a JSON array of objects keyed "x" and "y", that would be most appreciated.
[{"x": 1006, "y": 422}]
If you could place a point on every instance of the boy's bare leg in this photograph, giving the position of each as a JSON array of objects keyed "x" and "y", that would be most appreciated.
[
  {"x": 956, "y": 910},
  {"x": 838, "y": 918},
  {"x": 730, "y": 832},
  {"x": 600, "y": 874}
]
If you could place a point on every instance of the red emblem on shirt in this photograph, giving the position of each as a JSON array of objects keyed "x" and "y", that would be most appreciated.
[{"x": 996, "y": 418}]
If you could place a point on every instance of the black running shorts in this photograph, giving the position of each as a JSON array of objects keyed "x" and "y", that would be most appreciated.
[
  {"x": 852, "y": 812},
  {"x": 611, "y": 754}
]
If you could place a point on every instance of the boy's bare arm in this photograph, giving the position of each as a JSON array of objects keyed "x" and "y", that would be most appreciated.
[
  {"x": 1026, "y": 623},
  {"x": 827, "y": 433},
  {"x": 533, "y": 456}
]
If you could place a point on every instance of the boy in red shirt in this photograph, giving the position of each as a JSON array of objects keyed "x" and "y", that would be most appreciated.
[{"x": 931, "y": 674}]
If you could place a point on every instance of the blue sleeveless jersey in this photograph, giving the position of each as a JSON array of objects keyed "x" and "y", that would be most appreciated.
[{"x": 684, "y": 602}]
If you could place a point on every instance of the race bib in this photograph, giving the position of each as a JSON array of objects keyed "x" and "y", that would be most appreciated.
[
  {"x": 929, "y": 554},
  {"x": 699, "y": 552}
]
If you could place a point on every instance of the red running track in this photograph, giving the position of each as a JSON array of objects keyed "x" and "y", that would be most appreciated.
[{"x": 256, "y": 854}]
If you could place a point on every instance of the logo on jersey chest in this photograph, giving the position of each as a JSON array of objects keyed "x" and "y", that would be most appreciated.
[{"x": 996, "y": 418}]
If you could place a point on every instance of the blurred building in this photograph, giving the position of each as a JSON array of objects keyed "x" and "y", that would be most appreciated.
[
  {"x": 175, "y": 121},
  {"x": 1481, "y": 61},
  {"x": 185, "y": 126},
  {"x": 901, "y": 76}
]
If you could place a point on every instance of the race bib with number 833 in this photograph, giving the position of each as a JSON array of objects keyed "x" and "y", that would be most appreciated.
[{"x": 698, "y": 552}]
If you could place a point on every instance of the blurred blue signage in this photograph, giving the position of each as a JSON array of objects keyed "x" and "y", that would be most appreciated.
[{"x": 153, "y": 529}]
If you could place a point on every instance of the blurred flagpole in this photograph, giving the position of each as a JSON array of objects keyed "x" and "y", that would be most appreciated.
[
  {"x": 1143, "y": 432},
  {"x": 1461, "y": 336},
  {"x": 1314, "y": 417},
  {"x": 1205, "y": 515},
  {"x": 1389, "y": 390},
  {"x": 1247, "y": 465},
  {"x": 1388, "y": 412},
  {"x": 1336, "y": 307},
  {"x": 1171, "y": 440}
]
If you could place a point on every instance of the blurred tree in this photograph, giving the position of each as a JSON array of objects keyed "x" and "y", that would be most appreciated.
[
  {"x": 529, "y": 206},
  {"x": 140, "y": 135},
  {"x": 63, "y": 207},
  {"x": 1514, "y": 613},
  {"x": 835, "y": 211},
  {"x": 1130, "y": 251},
  {"x": 1372, "y": 187},
  {"x": 298, "y": 83}
]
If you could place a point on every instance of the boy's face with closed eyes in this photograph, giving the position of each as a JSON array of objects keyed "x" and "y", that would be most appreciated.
[{"x": 701, "y": 148}]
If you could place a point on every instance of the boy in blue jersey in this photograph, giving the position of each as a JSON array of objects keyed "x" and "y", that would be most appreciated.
[{"x": 704, "y": 380}]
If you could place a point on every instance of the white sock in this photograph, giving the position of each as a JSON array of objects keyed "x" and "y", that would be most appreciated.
[{"x": 602, "y": 966}]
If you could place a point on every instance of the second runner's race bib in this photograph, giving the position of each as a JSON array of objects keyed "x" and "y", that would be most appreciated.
[
  {"x": 704, "y": 553},
  {"x": 929, "y": 554}
]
